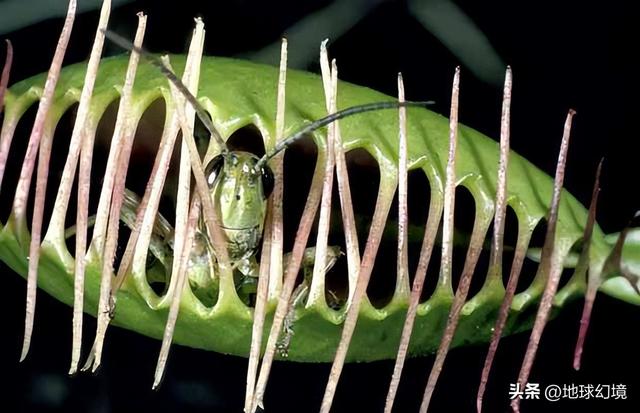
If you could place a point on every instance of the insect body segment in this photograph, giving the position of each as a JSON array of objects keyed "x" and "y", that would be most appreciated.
[
  {"x": 240, "y": 193},
  {"x": 238, "y": 188}
]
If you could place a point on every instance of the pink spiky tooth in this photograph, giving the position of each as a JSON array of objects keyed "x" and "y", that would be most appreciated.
[
  {"x": 317, "y": 290},
  {"x": 40, "y": 139},
  {"x": 596, "y": 277},
  {"x": 480, "y": 227},
  {"x": 187, "y": 213},
  {"x": 593, "y": 278},
  {"x": 290, "y": 274},
  {"x": 81, "y": 145},
  {"x": 6, "y": 70},
  {"x": 9, "y": 124},
  {"x": 358, "y": 292},
  {"x": 105, "y": 234},
  {"x": 271, "y": 257},
  {"x": 498, "y": 239},
  {"x": 435, "y": 213},
  {"x": 550, "y": 264}
]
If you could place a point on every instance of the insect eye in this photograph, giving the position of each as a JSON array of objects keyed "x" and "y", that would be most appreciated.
[
  {"x": 267, "y": 181},
  {"x": 213, "y": 169}
]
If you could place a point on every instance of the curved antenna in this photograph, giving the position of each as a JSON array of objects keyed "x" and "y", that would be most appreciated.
[
  {"x": 350, "y": 111},
  {"x": 154, "y": 60}
]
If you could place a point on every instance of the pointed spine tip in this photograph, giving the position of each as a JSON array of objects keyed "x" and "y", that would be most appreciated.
[{"x": 24, "y": 352}]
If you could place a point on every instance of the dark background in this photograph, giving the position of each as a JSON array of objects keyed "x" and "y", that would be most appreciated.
[{"x": 564, "y": 55}]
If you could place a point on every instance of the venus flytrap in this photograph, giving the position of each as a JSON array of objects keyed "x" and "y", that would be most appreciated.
[{"x": 232, "y": 94}]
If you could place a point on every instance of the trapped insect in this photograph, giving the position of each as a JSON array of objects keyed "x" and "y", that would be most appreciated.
[{"x": 379, "y": 330}]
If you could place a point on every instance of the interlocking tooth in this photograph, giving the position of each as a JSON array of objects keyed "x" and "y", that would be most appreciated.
[
  {"x": 44, "y": 155},
  {"x": 10, "y": 120},
  {"x": 323, "y": 175},
  {"x": 6, "y": 70},
  {"x": 260, "y": 310},
  {"x": 497, "y": 245},
  {"x": 428, "y": 242},
  {"x": 317, "y": 288},
  {"x": 383, "y": 205},
  {"x": 290, "y": 274},
  {"x": 614, "y": 266},
  {"x": 271, "y": 256},
  {"x": 344, "y": 191},
  {"x": 42, "y": 132},
  {"x": 348, "y": 217},
  {"x": 362, "y": 271},
  {"x": 596, "y": 276},
  {"x": 594, "y": 279},
  {"x": 402, "y": 264},
  {"x": 525, "y": 231},
  {"x": 105, "y": 235},
  {"x": 388, "y": 186},
  {"x": 134, "y": 258},
  {"x": 276, "y": 199},
  {"x": 481, "y": 225},
  {"x": 81, "y": 139},
  {"x": 9, "y": 124},
  {"x": 553, "y": 255},
  {"x": 186, "y": 118},
  {"x": 186, "y": 216},
  {"x": 147, "y": 209},
  {"x": 402, "y": 285},
  {"x": 449, "y": 203}
]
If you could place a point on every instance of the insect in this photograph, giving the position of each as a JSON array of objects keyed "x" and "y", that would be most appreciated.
[{"x": 427, "y": 155}]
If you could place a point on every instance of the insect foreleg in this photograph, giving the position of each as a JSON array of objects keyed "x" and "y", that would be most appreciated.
[{"x": 300, "y": 294}]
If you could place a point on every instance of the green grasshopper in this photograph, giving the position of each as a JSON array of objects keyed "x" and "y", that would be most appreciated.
[{"x": 239, "y": 184}]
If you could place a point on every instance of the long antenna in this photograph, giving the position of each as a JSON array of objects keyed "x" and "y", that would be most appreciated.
[
  {"x": 154, "y": 60},
  {"x": 350, "y": 111}
]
